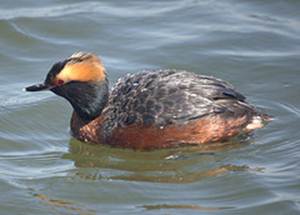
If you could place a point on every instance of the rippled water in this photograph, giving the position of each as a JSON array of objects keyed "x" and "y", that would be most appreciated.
[{"x": 255, "y": 45}]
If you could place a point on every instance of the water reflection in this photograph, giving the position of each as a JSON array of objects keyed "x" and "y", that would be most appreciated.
[
  {"x": 63, "y": 204},
  {"x": 179, "y": 165},
  {"x": 184, "y": 206}
]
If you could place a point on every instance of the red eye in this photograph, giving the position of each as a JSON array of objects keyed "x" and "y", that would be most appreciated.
[{"x": 60, "y": 82}]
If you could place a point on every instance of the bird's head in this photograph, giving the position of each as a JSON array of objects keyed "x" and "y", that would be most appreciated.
[{"x": 81, "y": 79}]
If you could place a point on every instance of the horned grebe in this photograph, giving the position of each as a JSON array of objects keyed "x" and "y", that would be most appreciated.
[{"x": 149, "y": 110}]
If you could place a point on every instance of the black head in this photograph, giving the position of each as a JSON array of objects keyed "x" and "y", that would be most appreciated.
[
  {"x": 82, "y": 67},
  {"x": 81, "y": 79}
]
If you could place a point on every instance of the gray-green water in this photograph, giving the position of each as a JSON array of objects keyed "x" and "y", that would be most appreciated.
[{"x": 253, "y": 44}]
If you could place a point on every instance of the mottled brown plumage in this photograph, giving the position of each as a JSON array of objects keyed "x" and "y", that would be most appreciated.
[{"x": 148, "y": 110}]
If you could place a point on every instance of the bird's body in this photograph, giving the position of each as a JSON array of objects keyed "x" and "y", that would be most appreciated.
[{"x": 152, "y": 109}]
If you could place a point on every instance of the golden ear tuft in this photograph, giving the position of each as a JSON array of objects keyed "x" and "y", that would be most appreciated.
[{"x": 84, "y": 67}]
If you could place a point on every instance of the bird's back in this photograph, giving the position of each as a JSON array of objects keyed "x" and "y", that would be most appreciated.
[{"x": 164, "y": 97}]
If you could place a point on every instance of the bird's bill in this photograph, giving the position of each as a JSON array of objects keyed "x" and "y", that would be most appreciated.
[{"x": 38, "y": 87}]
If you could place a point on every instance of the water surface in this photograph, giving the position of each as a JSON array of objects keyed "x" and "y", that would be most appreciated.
[{"x": 255, "y": 45}]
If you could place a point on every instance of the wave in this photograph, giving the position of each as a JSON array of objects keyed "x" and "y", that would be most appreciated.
[{"x": 89, "y": 7}]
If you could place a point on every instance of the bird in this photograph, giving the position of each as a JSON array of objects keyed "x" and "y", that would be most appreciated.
[{"x": 151, "y": 109}]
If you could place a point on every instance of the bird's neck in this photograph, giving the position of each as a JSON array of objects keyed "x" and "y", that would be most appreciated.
[{"x": 87, "y": 99}]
